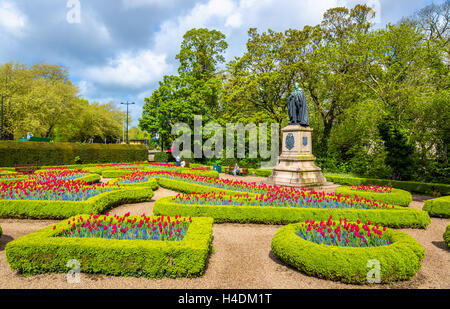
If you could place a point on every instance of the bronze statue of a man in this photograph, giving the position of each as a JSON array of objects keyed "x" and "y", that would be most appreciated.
[{"x": 297, "y": 108}]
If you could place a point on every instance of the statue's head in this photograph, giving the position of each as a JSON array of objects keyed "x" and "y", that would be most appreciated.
[{"x": 296, "y": 86}]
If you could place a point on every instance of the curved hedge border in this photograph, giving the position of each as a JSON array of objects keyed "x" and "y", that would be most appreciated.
[
  {"x": 396, "y": 197},
  {"x": 410, "y": 186},
  {"x": 399, "y": 261},
  {"x": 41, "y": 252},
  {"x": 438, "y": 207},
  {"x": 396, "y": 218},
  {"x": 64, "y": 209},
  {"x": 447, "y": 236},
  {"x": 151, "y": 183}
]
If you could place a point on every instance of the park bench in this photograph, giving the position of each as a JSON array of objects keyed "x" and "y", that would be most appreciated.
[
  {"x": 243, "y": 170},
  {"x": 26, "y": 168}
]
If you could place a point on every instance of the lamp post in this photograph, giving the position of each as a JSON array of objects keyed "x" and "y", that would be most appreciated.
[{"x": 127, "y": 104}]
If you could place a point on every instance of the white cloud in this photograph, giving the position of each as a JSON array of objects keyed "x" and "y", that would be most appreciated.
[
  {"x": 11, "y": 18},
  {"x": 213, "y": 14},
  {"x": 132, "y": 4},
  {"x": 234, "y": 21},
  {"x": 130, "y": 70}
]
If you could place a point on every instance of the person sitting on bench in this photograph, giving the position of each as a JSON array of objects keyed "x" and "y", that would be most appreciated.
[{"x": 236, "y": 169}]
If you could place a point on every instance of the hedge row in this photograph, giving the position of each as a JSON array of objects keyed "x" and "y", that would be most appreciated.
[
  {"x": 398, "y": 217},
  {"x": 12, "y": 153},
  {"x": 438, "y": 207},
  {"x": 399, "y": 261},
  {"x": 40, "y": 209},
  {"x": 446, "y": 236},
  {"x": 120, "y": 173},
  {"x": 43, "y": 252},
  {"x": 410, "y": 186},
  {"x": 396, "y": 197},
  {"x": 395, "y": 218}
]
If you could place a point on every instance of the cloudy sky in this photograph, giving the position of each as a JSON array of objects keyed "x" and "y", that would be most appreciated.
[{"x": 118, "y": 50}]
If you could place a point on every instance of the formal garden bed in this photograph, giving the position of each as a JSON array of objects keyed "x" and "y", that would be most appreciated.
[
  {"x": 345, "y": 251},
  {"x": 385, "y": 194},
  {"x": 61, "y": 195},
  {"x": 151, "y": 247},
  {"x": 204, "y": 198}
]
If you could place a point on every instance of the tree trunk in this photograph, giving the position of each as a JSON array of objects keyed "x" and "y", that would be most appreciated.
[{"x": 324, "y": 143}]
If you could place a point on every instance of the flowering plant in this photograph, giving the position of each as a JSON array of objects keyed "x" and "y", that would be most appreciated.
[
  {"x": 122, "y": 227},
  {"x": 372, "y": 188},
  {"x": 53, "y": 186},
  {"x": 278, "y": 199},
  {"x": 343, "y": 233}
]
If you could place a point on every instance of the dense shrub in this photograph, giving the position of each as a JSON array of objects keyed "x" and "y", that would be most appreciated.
[
  {"x": 399, "y": 261},
  {"x": 438, "y": 207},
  {"x": 260, "y": 172},
  {"x": 162, "y": 157},
  {"x": 410, "y": 186},
  {"x": 396, "y": 197},
  {"x": 12, "y": 153},
  {"x": 42, "y": 252},
  {"x": 400, "y": 151},
  {"x": 446, "y": 236}
]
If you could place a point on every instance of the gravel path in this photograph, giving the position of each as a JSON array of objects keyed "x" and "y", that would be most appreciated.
[{"x": 241, "y": 259}]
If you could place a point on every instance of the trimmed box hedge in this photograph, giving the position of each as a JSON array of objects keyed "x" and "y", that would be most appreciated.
[
  {"x": 438, "y": 207},
  {"x": 42, "y": 252},
  {"x": 399, "y": 261},
  {"x": 410, "y": 186},
  {"x": 25, "y": 209},
  {"x": 446, "y": 236},
  {"x": 12, "y": 153},
  {"x": 396, "y": 197},
  {"x": 395, "y": 218}
]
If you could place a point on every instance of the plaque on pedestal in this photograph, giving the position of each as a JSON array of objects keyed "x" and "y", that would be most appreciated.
[{"x": 296, "y": 166}]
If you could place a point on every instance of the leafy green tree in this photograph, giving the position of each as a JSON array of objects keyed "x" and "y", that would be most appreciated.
[
  {"x": 400, "y": 151},
  {"x": 201, "y": 52},
  {"x": 194, "y": 92}
]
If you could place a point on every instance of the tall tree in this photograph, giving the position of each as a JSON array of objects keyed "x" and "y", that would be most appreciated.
[
  {"x": 201, "y": 52},
  {"x": 194, "y": 92}
]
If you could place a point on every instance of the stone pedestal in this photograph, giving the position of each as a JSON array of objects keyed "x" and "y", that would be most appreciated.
[{"x": 296, "y": 166}]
